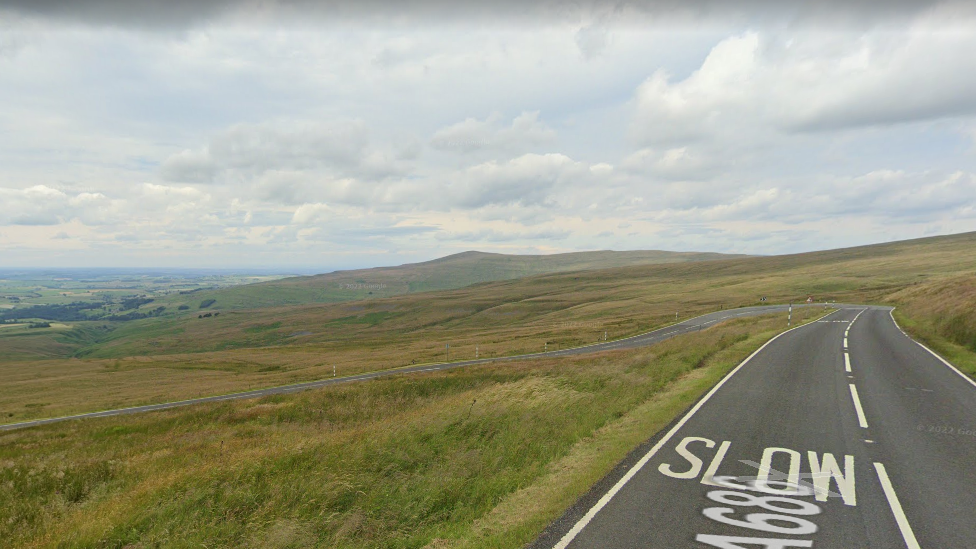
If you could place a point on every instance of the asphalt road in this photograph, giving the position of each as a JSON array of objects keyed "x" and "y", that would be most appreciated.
[
  {"x": 683, "y": 327},
  {"x": 837, "y": 434}
]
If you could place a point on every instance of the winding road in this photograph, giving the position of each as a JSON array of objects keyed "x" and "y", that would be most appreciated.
[{"x": 649, "y": 338}]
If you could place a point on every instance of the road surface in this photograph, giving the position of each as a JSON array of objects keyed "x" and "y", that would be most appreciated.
[
  {"x": 843, "y": 433},
  {"x": 686, "y": 326}
]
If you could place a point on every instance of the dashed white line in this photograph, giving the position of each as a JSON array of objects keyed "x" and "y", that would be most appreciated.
[
  {"x": 847, "y": 362},
  {"x": 906, "y": 529},
  {"x": 861, "y": 420}
]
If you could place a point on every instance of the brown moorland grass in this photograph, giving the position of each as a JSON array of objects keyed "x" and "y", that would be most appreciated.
[
  {"x": 479, "y": 457},
  {"x": 942, "y": 314},
  {"x": 165, "y": 359}
]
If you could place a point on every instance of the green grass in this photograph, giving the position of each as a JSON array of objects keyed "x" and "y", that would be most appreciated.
[
  {"x": 181, "y": 357},
  {"x": 479, "y": 457},
  {"x": 447, "y": 273}
]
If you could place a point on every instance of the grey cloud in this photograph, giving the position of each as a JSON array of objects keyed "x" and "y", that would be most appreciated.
[
  {"x": 167, "y": 14},
  {"x": 248, "y": 150},
  {"x": 278, "y": 145},
  {"x": 527, "y": 180},
  {"x": 189, "y": 167},
  {"x": 592, "y": 40},
  {"x": 895, "y": 196},
  {"x": 491, "y": 235}
]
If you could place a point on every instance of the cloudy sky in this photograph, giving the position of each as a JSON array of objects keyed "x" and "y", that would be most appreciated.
[{"x": 336, "y": 134}]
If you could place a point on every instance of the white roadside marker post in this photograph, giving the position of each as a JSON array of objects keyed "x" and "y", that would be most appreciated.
[{"x": 789, "y": 319}]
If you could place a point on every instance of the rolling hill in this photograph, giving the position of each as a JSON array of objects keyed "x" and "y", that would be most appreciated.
[{"x": 446, "y": 273}]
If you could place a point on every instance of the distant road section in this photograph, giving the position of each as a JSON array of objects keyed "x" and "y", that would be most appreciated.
[{"x": 642, "y": 340}]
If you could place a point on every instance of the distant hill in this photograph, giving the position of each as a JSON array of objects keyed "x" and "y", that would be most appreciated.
[
  {"x": 446, "y": 273},
  {"x": 932, "y": 275}
]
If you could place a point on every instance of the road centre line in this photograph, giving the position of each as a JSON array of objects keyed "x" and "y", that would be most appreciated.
[
  {"x": 861, "y": 420},
  {"x": 889, "y": 491},
  {"x": 602, "y": 502},
  {"x": 847, "y": 362}
]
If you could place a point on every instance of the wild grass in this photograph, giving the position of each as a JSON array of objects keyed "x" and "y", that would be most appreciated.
[
  {"x": 942, "y": 314},
  {"x": 446, "y": 273},
  {"x": 477, "y": 457},
  {"x": 162, "y": 359}
]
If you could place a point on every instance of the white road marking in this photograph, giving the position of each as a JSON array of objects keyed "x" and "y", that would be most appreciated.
[
  {"x": 825, "y": 469},
  {"x": 933, "y": 353},
  {"x": 900, "y": 518},
  {"x": 845, "y": 342},
  {"x": 861, "y": 420},
  {"x": 847, "y": 362},
  {"x": 578, "y": 527},
  {"x": 715, "y": 464}
]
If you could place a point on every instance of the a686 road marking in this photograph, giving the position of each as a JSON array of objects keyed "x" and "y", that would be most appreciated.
[{"x": 774, "y": 507}]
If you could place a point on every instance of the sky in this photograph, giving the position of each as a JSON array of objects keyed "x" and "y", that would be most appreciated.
[{"x": 327, "y": 135}]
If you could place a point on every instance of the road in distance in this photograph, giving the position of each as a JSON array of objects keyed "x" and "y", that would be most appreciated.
[{"x": 690, "y": 325}]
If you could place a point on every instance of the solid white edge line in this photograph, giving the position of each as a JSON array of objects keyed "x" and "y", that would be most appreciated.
[
  {"x": 891, "y": 313},
  {"x": 603, "y": 501},
  {"x": 861, "y": 420},
  {"x": 906, "y": 529}
]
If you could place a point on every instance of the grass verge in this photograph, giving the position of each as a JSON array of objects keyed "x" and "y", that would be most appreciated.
[{"x": 940, "y": 314}]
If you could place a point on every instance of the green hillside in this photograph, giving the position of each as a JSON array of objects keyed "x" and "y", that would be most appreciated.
[
  {"x": 446, "y": 273},
  {"x": 476, "y": 458}
]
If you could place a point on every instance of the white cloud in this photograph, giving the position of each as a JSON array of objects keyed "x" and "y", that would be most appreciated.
[
  {"x": 525, "y": 132},
  {"x": 37, "y": 205},
  {"x": 755, "y": 83},
  {"x": 679, "y": 163},
  {"x": 280, "y": 153},
  {"x": 236, "y": 138},
  {"x": 309, "y": 214}
]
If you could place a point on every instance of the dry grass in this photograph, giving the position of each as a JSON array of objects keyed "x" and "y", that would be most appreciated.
[
  {"x": 479, "y": 457},
  {"x": 942, "y": 314},
  {"x": 168, "y": 359}
]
